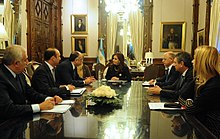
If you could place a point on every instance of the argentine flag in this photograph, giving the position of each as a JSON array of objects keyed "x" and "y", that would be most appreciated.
[{"x": 101, "y": 53}]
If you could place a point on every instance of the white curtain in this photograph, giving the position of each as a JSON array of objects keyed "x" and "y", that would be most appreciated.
[
  {"x": 214, "y": 24},
  {"x": 136, "y": 20},
  {"x": 125, "y": 31},
  {"x": 112, "y": 21},
  {"x": 9, "y": 20}
]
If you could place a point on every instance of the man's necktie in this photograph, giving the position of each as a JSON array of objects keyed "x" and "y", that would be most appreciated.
[
  {"x": 181, "y": 81},
  {"x": 53, "y": 73},
  {"x": 18, "y": 83},
  {"x": 74, "y": 74},
  {"x": 166, "y": 74}
]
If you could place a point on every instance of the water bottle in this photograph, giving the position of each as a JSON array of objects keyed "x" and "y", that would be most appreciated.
[{"x": 99, "y": 75}]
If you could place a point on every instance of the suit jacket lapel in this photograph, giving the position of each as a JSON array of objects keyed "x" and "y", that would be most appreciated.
[
  {"x": 50, "y": 74},
  {"x": 72, "y": 71},
  {"x": 9, "y": 78},
  {"x": 22, "y": 83}
]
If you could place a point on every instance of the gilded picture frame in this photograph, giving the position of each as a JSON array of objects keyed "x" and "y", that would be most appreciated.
[
  {"x": 79, "y": 43},
  {"x": 172, "y": 36},
  {"x": 79, "y": 24}
]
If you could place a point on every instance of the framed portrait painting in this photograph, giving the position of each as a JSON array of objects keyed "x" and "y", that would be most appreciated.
[
  {"x": 79, "y": 43},
  {"x": 172, "y": 36},
  {"x": 201, "y": 37},
  {"x": 79, "y": 24}
]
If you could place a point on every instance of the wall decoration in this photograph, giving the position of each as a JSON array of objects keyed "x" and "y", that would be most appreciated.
[
  {"x": 172, "y": 36},
  {"x": 201, "y": 37},
  {"x": 79, "y": 24},
  {"x": 79, "y": 43}
]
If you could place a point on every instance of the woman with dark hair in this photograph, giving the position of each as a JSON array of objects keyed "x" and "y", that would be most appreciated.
[{"x": 118, "y": 70}]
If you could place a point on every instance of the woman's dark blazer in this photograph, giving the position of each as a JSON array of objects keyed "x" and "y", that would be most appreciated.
[
  {"x": 206, "y": 105},
  {"x": 122, "y": 75}
]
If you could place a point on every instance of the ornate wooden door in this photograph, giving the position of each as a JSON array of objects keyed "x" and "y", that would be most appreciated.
[{"x": 44, "y": 27}]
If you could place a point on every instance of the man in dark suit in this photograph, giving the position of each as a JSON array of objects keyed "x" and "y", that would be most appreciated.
[
  {"x": 171, "y": 75},
  {"x": 15, "y": 92},
  {"x": 184, "y": 86},
  {"x": 80, "y": 26},
  {"x": 66, "y": 72},
  {"x": 44, "y": 80}
]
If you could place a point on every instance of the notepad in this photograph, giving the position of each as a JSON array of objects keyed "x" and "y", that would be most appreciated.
[
  {"x": 58, "y": 109},
  {"x": 160, "y": 106},
  {"x": 66, "y": 102},
  {"x": 146, "y": 84},
  {"x": 79, "y": 91}
]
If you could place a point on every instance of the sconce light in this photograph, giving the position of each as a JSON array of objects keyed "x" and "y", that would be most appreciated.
[
  {"x": 149, "y": 58},
  {"x": 3, "y": 36}
]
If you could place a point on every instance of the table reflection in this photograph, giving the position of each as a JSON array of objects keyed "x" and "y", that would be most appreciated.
[
  {"x": 169, "y": 125},
  {"x": 133, "y": 120}
]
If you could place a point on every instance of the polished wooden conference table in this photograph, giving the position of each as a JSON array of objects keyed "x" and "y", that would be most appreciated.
[{"x": 133, "y": 120}]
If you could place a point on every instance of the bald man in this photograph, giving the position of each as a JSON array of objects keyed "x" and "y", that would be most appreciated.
[
  {"x": 171, "y": 75},
  {"x": 44, "y": 80}
]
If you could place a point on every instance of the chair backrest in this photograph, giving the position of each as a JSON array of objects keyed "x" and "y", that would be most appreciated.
[
  {"x": 105, "y": 72},
  {"x": 86, "y": 71},
  {"x": 31, "y": 67},
  {"x": 98, "y": 67},
  {"x": 153, "y": 71},
  {"x": 83, "y": 71}
]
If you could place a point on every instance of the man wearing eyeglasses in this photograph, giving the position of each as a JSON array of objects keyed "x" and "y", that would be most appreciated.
[{"x": 66, "y": 72}]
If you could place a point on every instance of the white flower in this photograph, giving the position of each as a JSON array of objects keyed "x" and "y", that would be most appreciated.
[{"x": 104, "y": 91}]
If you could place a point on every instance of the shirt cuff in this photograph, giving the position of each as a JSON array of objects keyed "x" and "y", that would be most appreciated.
[
  {"x": 48, "y": 98},
  {"x": 67, "y": 88},
  {"x": 35, "y": 108},
  {"x": 155, "y": 82},
  {"x": 36, "y": 117}
]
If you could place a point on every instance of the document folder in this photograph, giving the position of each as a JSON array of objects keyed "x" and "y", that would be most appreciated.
[
  {"x": 58, "y": 109},
  {"x": 77, "y": 92}
]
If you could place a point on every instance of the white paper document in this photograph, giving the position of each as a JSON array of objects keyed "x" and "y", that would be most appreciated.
[
  {"x": 66, "y": 102},
  {"x": 58, "y": 109},
  {"x": 160, "y": 106},
  {"x": 146, "y": 84},
  {"x": 79, "y": 91}
]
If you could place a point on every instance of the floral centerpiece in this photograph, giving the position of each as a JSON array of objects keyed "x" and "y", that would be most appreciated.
[{"x": 104, "y": 95}]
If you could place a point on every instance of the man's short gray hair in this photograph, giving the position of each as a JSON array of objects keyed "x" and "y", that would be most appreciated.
[{"x": 13, "y": 53}]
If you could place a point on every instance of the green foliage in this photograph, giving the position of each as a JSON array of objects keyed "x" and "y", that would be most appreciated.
[{"x": 105, "y": 101}]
